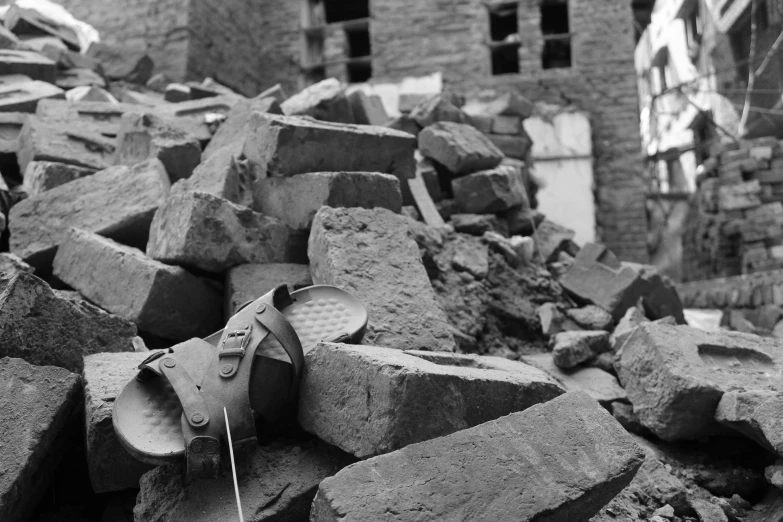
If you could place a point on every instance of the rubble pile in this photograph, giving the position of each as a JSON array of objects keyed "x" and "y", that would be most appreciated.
[{"x": 505, "y": 372}]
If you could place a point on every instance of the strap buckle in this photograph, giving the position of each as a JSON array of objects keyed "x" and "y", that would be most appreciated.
[{"x": 235, "y": 342}]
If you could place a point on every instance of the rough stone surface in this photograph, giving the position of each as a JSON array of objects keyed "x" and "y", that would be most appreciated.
[
  {"x": 489, "y": 191},
  {"x": 111, "y": 468},
  {"x": 210, "y": 233},
  {"x": 72, "y": 142},
  {"x": 102, "y": 117},
  {"x": 515, "y": 464},
  {"x": 40, "y": 176},
  {"x": 232, "y": 132},
  {"x": 36, "y": 405},
  {"x": 591, "y": 317},
  {"x": 371, "y": 254},
  {"x": 675, "y": 376},
  {"x": 369, "y": 400},
  {"x": 10, "y": 264},
  {"x": 572, "y": 348},
  {"x": 118, "y": 202},
  {"x": 756, "y": 414},
  {"x": 774, "y": 474},
  {"x": 45, "y": 329},
  {"x": 296, "y": 199},
  {"x": 223, "y": 174},
  {"x": 163, "y": 300},
  {"x": 325, "y": 100},
  {"x": 633, "y": 317},
  {"x": 249, "y": 282},
  {"x": 198, "y": 118},
  {"x": 551, "y": 239},
  {"x": 459, "y": 147},
  {"x": 477, "y": 224},
  {"x": 436, "y": 108},
  {"x": 277, "y": 483},
  {"x": 554, "y": 320},
  {"x": 144, "y": 135},
  {"x": 367, "y": 109},
  {"x": 122, "y": 63}
]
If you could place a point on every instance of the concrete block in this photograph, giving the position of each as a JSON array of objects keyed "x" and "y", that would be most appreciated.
[
  {"x": 325, "y": 100},
  {"x": 40, "y": 176},
  {"x": 29, "y": 63},
  {"x": 249, "y": 282},
  {"x": 435, "y": 108},
  {"x": 210, "y": 233},
  {"x": 675, "y": 376},
  {"x": 118, "y": 202},
  {"x": 71, "y": 142},
  {"x": 517, "y": 146},
  {"x": 45, "y": 329},
  {"x": 162, "y": 300},
  {"x": 591, "y": 317},
  {"x": 110, "y": 466},
  {"x": 371, "y": 254},
  {"x": 223, "y": 174},
  {"x": 296, "y": 199},
  {"x": 233, "y": 130},
  {"x": 490, "y": 191},
  {"x": 24, "y": 96},
  {"x": 633, "y": 317},
  {"x": 572, "y": 348},
  {"x": 367, "y": 109},
  {"x": 122, "y": 62},
  {"x": 102, "y": 117},
  {"x": 143, "y": 135},
  {"x": 756, "y": 414},
  {"x": 36, "y": 406},
  {"x": 368, "y": 400},
  {"x": 561, "y": 460},
  {"x": 458, "y": 147},
  {"x": 199, "y": 118}
]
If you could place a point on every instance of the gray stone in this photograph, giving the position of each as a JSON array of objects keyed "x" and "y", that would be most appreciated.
[
  {"x": 277, "y": 482},
  {"x": 118, "y": 202},
  {"x": 325, "y": 100},
  {"x": 198, "y": 118},
  {"x": 24, "y": 96},
  {"x": 102, "y": 117},
  {"x": 249, "y": 282},
  {"x": 436, "y": 108},
  {"x": 40, "y": 176},
  {"x": 460, "y": 148},
  {"x": 223, "y": 174},
  {"x": 163, "y": 300},
  {"x": 369, "y": 400},
  {"x": 624, "y": 414},
  {"x": 476, "y": 224},
  {"x": 625, "y": 327},
  {"x": 367, "y": 109},
  {"x": 551, "y": 239},
  {"x": 371, "y": 254},
  {"x": 591, "y": 317},
  {"x": 598, "y": 384},
  {"x": 553, "y": 320},
  {"x": 774, "y": 474},
  {"x": 490, "y": 191},
  {"x": 11, "y": 124},
  {"x": 144, "y": 135},
  {"x": 232, "y": 132},
  {"x": 521, "y": 467},
  {"x": 470, "y": 255},
  {"x": 708, "y": 512},
  {"x": 110, "y": 466},
  {"x": 756, "y": 414},
  {"x": 572, "y": 348},
  {"x": 122, "y": 62},
  {"x": 675, "y": 376},
  {"x": 28, "y": 63},
  {"x": 73, "y": 142},
  {"x": 295, "y": 200},
  {"x": 10, "y": 264},
  {"x": 45, "y": 329},
  {"x": 517, "y": 147},
  {"x": 36, "y": 406},
  {"x": 210, "y": 233}
]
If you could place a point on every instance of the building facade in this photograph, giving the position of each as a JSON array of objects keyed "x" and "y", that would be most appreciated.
[{"x": 568, "y": 52}]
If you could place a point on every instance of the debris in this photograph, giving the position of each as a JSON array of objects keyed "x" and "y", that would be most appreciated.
[
  {"x": 490, "y": 191},
  {"x": 70, "y": 142},
  {"x": 591, "y": 317},
  {"x": 28, "y": 63},
  {"x": 40, "y": 176},
  {"x": 572, "y": 348},
  {"x": 625, "y": 327},
  {"x": 774, "y": 474},
  {"x": 367, "y": 109},
  {"x": 460, "y": 148},
  {"x": 434, "y": 109},
  {"x": 476, "y": 224},
  {"x": 551, "y": 238},
  {"x": 248, "y": 282},
  {"x": 9, "y": 265},
  {"x": 122, "y": 63},
  {"x": 756, "y": 414},
  {"x": 325, "y": 100},
  {"x": 223, "y": 174},
  {"x": 233, "y": 130},
  {"x": 423, "y": 201}
]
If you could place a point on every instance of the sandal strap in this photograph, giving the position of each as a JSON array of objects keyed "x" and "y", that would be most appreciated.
[{"x": 276, "y": 323}]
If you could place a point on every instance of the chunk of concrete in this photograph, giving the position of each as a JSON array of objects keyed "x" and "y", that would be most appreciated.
[
  {"x": 45, "y": 329},
  {"x": 73, "y": 142},
  {"x": 37, "y": 403},
  {"x": 10, "y": 127},
  {"x": 367, "y": 109},
  {"x": 490, "y": 191},
  {"x": 756, "y": 414},
  {"x": 40, "y": 176},
  {"x": 249, "y": 282},
  {"x": 210, "y": 233},
  {"x": 369, "y": 400},
  {"x": 517, "y": 147},
  {"x": 223, "y": 174},
  {"x": 295, "y": 200},
  {"x": 572, "y": 348},
  {"x": 371, "y": 254},
  {"x": 591, "y": 317},
  {"x": 277, "y": 482},
  {"x": 232, "y": 132},
  {"x": 459, "y": 147},
  {"x": 551, "y": 239},
  {"x": 29, "y": 63},
  {"x": 325, "y": 100},
  {"x": 554, "y": 320},
  {"x": 110, "y": 466},
  {"x": 435, "y": 108},
  {"x": 633, "y": 317},
  {"x": 11, "y": 264},
  {"x": 162, "y": 300},
  {"x": 117, "y": 202},
  {"x": 24, "y": 96},
  {"x": 507, "y": 104},
  {"x": 561, "y": 460},
  {"x": 102, "y": 117},
  {"x": 122, "y": 62},
  {"x": 675, "y": 376},
  {"x": 199, "y": 118},
  {"x": 144, "y": 135}
]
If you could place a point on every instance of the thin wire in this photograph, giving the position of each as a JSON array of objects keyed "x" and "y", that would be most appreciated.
[{"x": 233, "y": 466}]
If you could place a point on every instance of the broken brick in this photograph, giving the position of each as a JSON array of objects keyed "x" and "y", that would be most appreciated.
[
  {"x": 367, "y": 109},
  {"x": 70, "y": 142},
  {"x": 460, "y": 148},
  {"x": 234, "y": 129},
  {"x": 490, "y": 191},
  {"x": 222, "y": 174},
  {"x": 40, "y": 176},
  {"x": 24, "y": 96},
  {"x": 325, "y": 100},
  {"x": 572, "y": 348},
  {"x": 31, "y": 64}
]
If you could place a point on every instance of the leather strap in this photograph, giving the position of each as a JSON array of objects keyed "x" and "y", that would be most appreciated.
[
  {"x": 271, "y": 319},
  {"x": 194, "y": 407}
]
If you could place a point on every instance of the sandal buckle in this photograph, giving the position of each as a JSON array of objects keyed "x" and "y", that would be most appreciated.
[{"x": 235, "y": 342}]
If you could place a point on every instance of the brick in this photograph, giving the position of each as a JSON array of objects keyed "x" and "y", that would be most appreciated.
[
  {"x": 490, "y": 191},
  {"x": 110, "y": 466},
  {"x": 517, "y": 146},
  {"x": 325, "y": 100},
  {"x": 162, "y": 300},
  {"x": 435, "y": 108},
  {"x": 415, "y": 396},
  {"x": 10, "y": 127},
  {"x": 40, "y": 176},
  {"x": 71, "y": 142},
  {"x": 31, "y": 64},
  {"x": 296, "y": 199},
  {"x": 756, "y": 414},
  {"x": 128, "y": 199},
  {"x": 223, "y": 174},
  {"x": 513, "y": 464},
  {"x": 739, "y": 196},
  {"x": 572, "y": 348},
  {"x": 551, "y": 239},
  {"x": 143, "y": 136},
  {"x": 103, "y": 117},
  {"x": 460, "y": 148},
  {"x": 200, "y": 230},
  {"x": 508, "y": 104},
  {"x": 249, "y": 282},
  {"x": 675, "y": 376},
  {"x": 233, "y": 130},
  {"x": 199, "y": 118},
  {"x": 371, "y": 254},
  {"x": 367, "y": 109},
  {"x": 34, "y": 319},
  {"x": 36, "y": 406},
  {"x": 24, "y": 96},
  {"x": 122, "y": 62}
]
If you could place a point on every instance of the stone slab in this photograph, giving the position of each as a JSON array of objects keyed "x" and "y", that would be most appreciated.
[
  {"x": 40, "y": 176},
  {"x": 561, "y": 460},
  {"x": 372, "y": 254},
  {"x": 24, "y": 96},
  {"x": 72, "y": 142},
  {"x": 104, "y": 117},
  {"x": 249, "y": 282},
  {"x": 234, "y": 129},
  {"x": 459, "y": 147},
  {"x": 10, "y": 264},
  {"x": 28, "y": 63},
  {"x": 200, "y": 230},
  {"x": 199, "y": 118},
  {"x": 162, "y": 300},
  {"x": 572, "y": 348},
  {"x": 490, "y": 191},
  {"x": 296, "y": 199},
  {"x": 367, "y": 109},
  {"x": 36, "y": 405},
  {"x": 117, "y": 202},
  {"x": 369, "y": 400},
  {"x": 325, "y": 100},
  {"x": 756, "y": 414},
  {"x": 223, "y": 174},
  {"x": 45, "y": 329},
  {"x": 675, "y": 376}
]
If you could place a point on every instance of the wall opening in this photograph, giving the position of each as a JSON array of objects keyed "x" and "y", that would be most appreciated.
[
  {"x": 342, "y": 10},
  {"x": 556, "y": 31},
  {"x": 504, "y": 38}
]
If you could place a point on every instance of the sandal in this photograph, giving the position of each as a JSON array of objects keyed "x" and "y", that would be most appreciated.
[{"x": 174, "y": 406}]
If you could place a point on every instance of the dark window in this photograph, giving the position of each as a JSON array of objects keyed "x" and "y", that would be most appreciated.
[
  {"x": 504, "y": 38},
  {"x": 740, "y": 48},
  {"x": 505, "y": 60},
  {"x": 556, "y": 31},
  {"x": 503, "y": 22},
  {"x": 359, "y": 71},
  {"x": 358, "y": 42},
  {"x": 694, "y": 28},
  {"x": 342, "y": 10}
]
